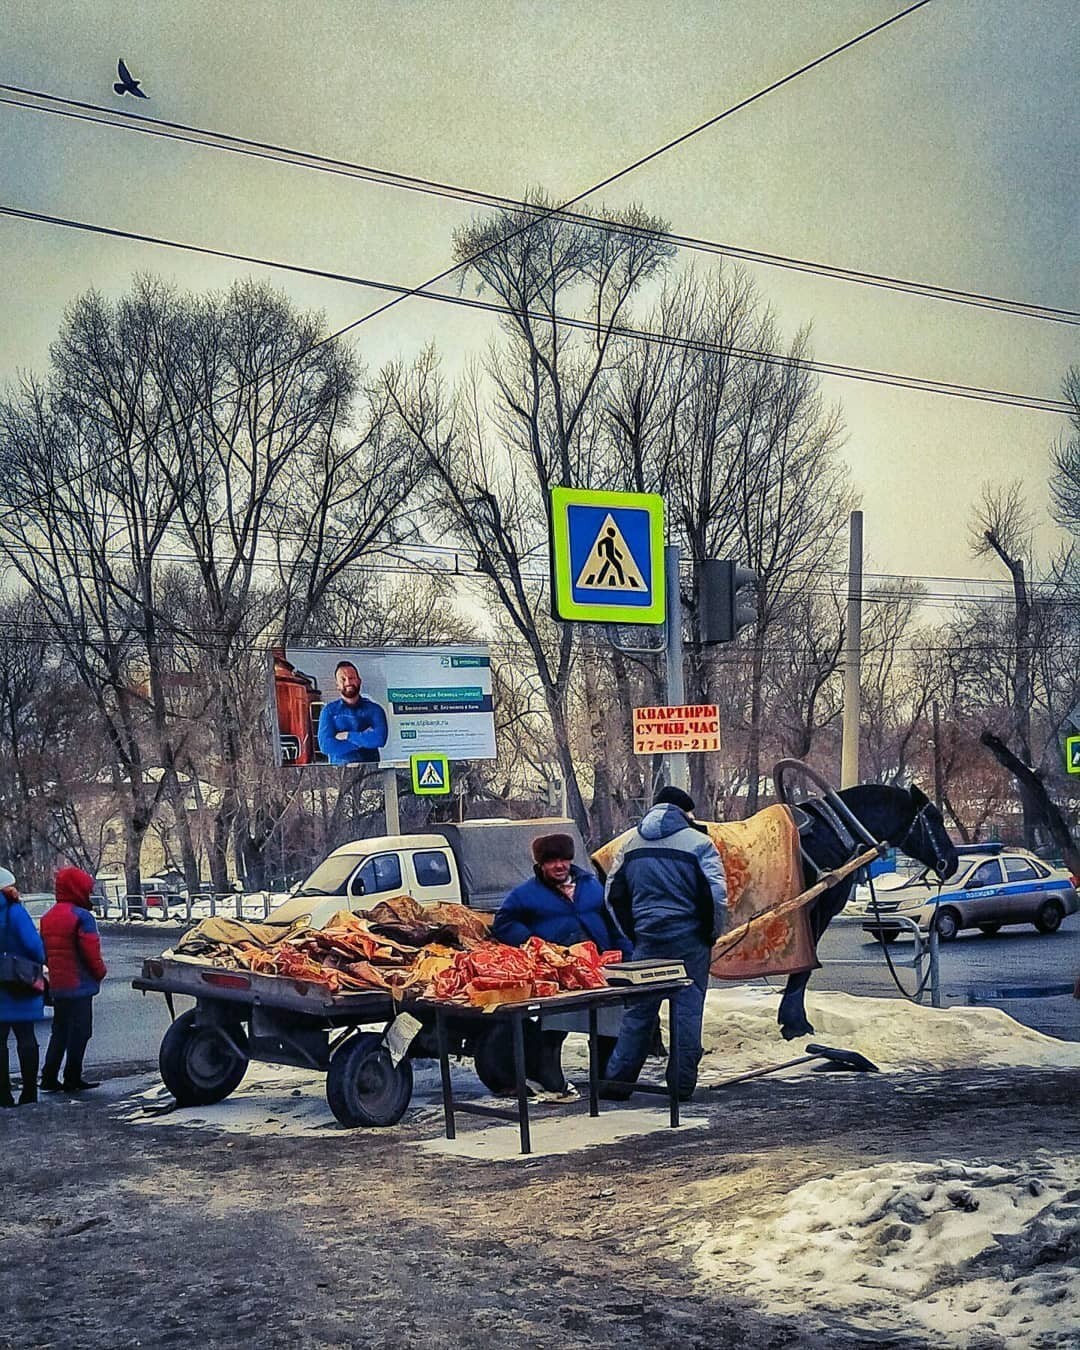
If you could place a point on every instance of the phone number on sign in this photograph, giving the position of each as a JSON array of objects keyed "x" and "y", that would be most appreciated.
[{"x": 656, "y": 745}]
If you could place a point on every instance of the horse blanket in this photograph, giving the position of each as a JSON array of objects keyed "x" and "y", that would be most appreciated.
[{"x": 769, "y": 925}]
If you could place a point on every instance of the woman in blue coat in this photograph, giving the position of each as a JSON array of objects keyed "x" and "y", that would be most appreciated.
[
  {"x": 18, "y": 1013},
  {"x": 564, "y": 904}
]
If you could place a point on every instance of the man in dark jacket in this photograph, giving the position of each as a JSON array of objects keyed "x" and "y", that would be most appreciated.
[
  {"x": 668, "y": 894},
  {"x": 564, "y": 904},
  {"x": 73, "y": 950}
]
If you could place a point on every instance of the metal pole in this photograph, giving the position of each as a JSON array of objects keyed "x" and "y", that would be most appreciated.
[
  {"x": 678, "y": 768},
  {"x": 390, "y": 801},
  {"x": 938, "y": 787},
  {"x": 849, "y": 754},
  {"x": 935, "y": 968}
]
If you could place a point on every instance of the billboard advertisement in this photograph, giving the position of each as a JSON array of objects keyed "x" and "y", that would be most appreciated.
[{"x": 381, "y": 705}]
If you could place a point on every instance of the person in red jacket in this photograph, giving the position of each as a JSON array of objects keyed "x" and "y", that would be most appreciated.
[{"x": 73, "y": 952}]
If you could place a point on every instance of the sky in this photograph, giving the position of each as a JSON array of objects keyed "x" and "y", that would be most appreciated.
[{"x": 944, "y": 149}]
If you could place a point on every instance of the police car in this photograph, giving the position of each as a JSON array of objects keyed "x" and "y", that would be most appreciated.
[{"x": 993, "y": 886}]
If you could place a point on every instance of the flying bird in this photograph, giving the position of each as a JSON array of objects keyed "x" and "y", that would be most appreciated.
[{"x": 126, "y": 83}]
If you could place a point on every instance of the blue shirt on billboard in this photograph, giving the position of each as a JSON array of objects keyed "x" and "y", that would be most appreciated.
[{"x": 365, "y": 728}]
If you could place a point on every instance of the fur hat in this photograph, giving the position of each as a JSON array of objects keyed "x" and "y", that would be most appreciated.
[
  {"x": 550, "y": 847},
  {"x": 74, "y": 885},
  {"x": 673, "y": 796}
]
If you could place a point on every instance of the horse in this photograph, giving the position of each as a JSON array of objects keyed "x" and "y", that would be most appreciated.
[{"x": 902, "y": 817}]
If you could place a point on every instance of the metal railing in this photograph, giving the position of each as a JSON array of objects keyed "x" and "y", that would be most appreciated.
[
  {"x": 925, "y": 960},
  {"x": 182, "y": 908}
]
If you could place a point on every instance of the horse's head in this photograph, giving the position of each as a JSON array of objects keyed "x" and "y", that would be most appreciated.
[{"x": 927, "y": 840}]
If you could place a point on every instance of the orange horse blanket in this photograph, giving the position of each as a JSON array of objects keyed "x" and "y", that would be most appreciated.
[{"x": 769, "y": 930}]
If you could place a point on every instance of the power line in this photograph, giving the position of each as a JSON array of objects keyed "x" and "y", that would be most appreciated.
[
  {"x": 1034, "y": 402},
  {"x": 540, "y": 577},
  {"x": 645, "y": 159},
  {"x": 596, "y": 187},
  {"x": 210, "y": 139}
]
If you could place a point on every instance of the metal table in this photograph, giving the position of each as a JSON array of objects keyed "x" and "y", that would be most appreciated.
[{"x": 586, "y": 1000}]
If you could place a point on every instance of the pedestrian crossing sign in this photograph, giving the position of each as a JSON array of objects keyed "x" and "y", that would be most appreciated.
[
  {"x": 607, "y": 556},
  {"x": 430, "y": 775},
  {"x": 1072, "y": 754}
]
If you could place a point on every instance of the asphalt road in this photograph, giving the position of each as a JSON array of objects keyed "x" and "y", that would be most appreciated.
[{"x": 128, "y": 1026}]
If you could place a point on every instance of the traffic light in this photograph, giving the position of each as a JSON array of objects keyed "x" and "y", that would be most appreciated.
[{"x": 727, "y": 599}]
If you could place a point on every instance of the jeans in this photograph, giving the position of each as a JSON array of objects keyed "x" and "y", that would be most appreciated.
[
  {"x": 639, "y": 1017},
  {"x": 73, "y": 1025},
  {"x": 27, "y": 1046}
]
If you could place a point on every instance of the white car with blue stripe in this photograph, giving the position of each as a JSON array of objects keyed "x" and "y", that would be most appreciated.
[{"x": 993, "y": 886}]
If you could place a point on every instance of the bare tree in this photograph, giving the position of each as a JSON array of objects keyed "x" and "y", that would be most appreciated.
[
  {"x": 1002, "y": 528},
  {"x": 495, "y": 457}
]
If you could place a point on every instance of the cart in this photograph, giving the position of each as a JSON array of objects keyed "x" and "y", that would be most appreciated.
[{"x": 240, "y": 1016}]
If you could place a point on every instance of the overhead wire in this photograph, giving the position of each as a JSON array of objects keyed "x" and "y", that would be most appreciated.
[
  {"x": 42, "y": 101},
  {"x": 977, "y": 393}
]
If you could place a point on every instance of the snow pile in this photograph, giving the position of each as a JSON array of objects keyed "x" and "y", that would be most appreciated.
[
  {"x": 970, "y": 1251},
  {"x": 740, "y": 1033}
]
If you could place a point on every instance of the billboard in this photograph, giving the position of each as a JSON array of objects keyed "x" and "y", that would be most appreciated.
[{"x": 381, "y": 705}]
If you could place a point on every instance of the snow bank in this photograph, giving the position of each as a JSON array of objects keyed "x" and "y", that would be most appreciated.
[
  {"x": 740, "y": 1033},
  {"x": 980, "y": 1254}
]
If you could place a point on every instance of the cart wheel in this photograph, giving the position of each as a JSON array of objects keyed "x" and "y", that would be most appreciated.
[
  {"x": 493, "y": 1060},
  {"x": 363, "y": 1087},
  {"x": 197, "y": 1064}
]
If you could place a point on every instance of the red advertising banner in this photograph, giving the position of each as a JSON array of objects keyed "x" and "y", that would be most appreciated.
[{"x": 659, "y": 731}]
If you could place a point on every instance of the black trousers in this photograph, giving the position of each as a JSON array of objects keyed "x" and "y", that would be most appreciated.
[
  {"x": 73, "y": 1025},
  {"x": 27, "y": 1047},
  {"x": 543, "y": 1055}
]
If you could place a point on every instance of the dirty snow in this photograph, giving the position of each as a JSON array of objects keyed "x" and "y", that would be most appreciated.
[
  {"x": 277, "y": 1100},
  {"x": 740, "y": 1034},
  {"x": 979, "y": 1253},
  {"x": 551, "y": 1136}
]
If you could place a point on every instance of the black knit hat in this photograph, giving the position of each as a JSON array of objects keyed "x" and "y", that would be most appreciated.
[
  {"x": 552, "y": 847},
  {"x": 673, "y": 796}
]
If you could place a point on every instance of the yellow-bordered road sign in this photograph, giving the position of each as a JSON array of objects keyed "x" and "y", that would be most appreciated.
[
  {"x": 1072, "y": 754},
  {"x": 430, "y": 775},
  {"x": 607, "y": 556}
]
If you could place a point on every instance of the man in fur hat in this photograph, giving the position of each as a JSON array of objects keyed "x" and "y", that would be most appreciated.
[{"x": 564, "y": 904}]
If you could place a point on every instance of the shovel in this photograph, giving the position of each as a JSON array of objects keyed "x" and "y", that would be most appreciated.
[{"x": 832, "y": 1061}]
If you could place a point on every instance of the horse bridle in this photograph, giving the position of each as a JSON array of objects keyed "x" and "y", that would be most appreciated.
[{"x": 919, "y": 818}]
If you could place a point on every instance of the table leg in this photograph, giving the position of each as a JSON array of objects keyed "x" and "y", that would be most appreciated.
[
  {"x": 444, "y": 1070},
  {"x": 673, "y": 1059},
  {"x": 594, "y": 1070},
  {"x": 519, "y": 1075}
]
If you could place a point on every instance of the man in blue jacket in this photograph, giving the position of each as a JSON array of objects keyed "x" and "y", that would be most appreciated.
[
  {"x": 668, "y": 894},
  {"x": 352, "y": 729},
  {"x": 564, "y": 904}
]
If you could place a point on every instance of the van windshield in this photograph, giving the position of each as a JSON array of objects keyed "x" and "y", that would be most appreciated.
[{"x": 331, "y": 877}]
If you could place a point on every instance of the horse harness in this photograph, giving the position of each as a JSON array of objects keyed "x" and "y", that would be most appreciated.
[
  {"x": 819, "y": 810},
  {"x": 809, "y": 813}
]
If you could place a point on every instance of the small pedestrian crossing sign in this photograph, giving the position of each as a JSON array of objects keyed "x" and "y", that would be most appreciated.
[
  {"x": 430, "y": 775},
  {"x": 607, "y": 556},
  {"x": 610, "y": 565},
  {"x": 1072, "y": 754}
]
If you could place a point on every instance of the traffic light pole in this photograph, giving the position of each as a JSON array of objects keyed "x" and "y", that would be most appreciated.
[
  {"x": 678, "y": 767},
  {"x": 849, "y": 752}
]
